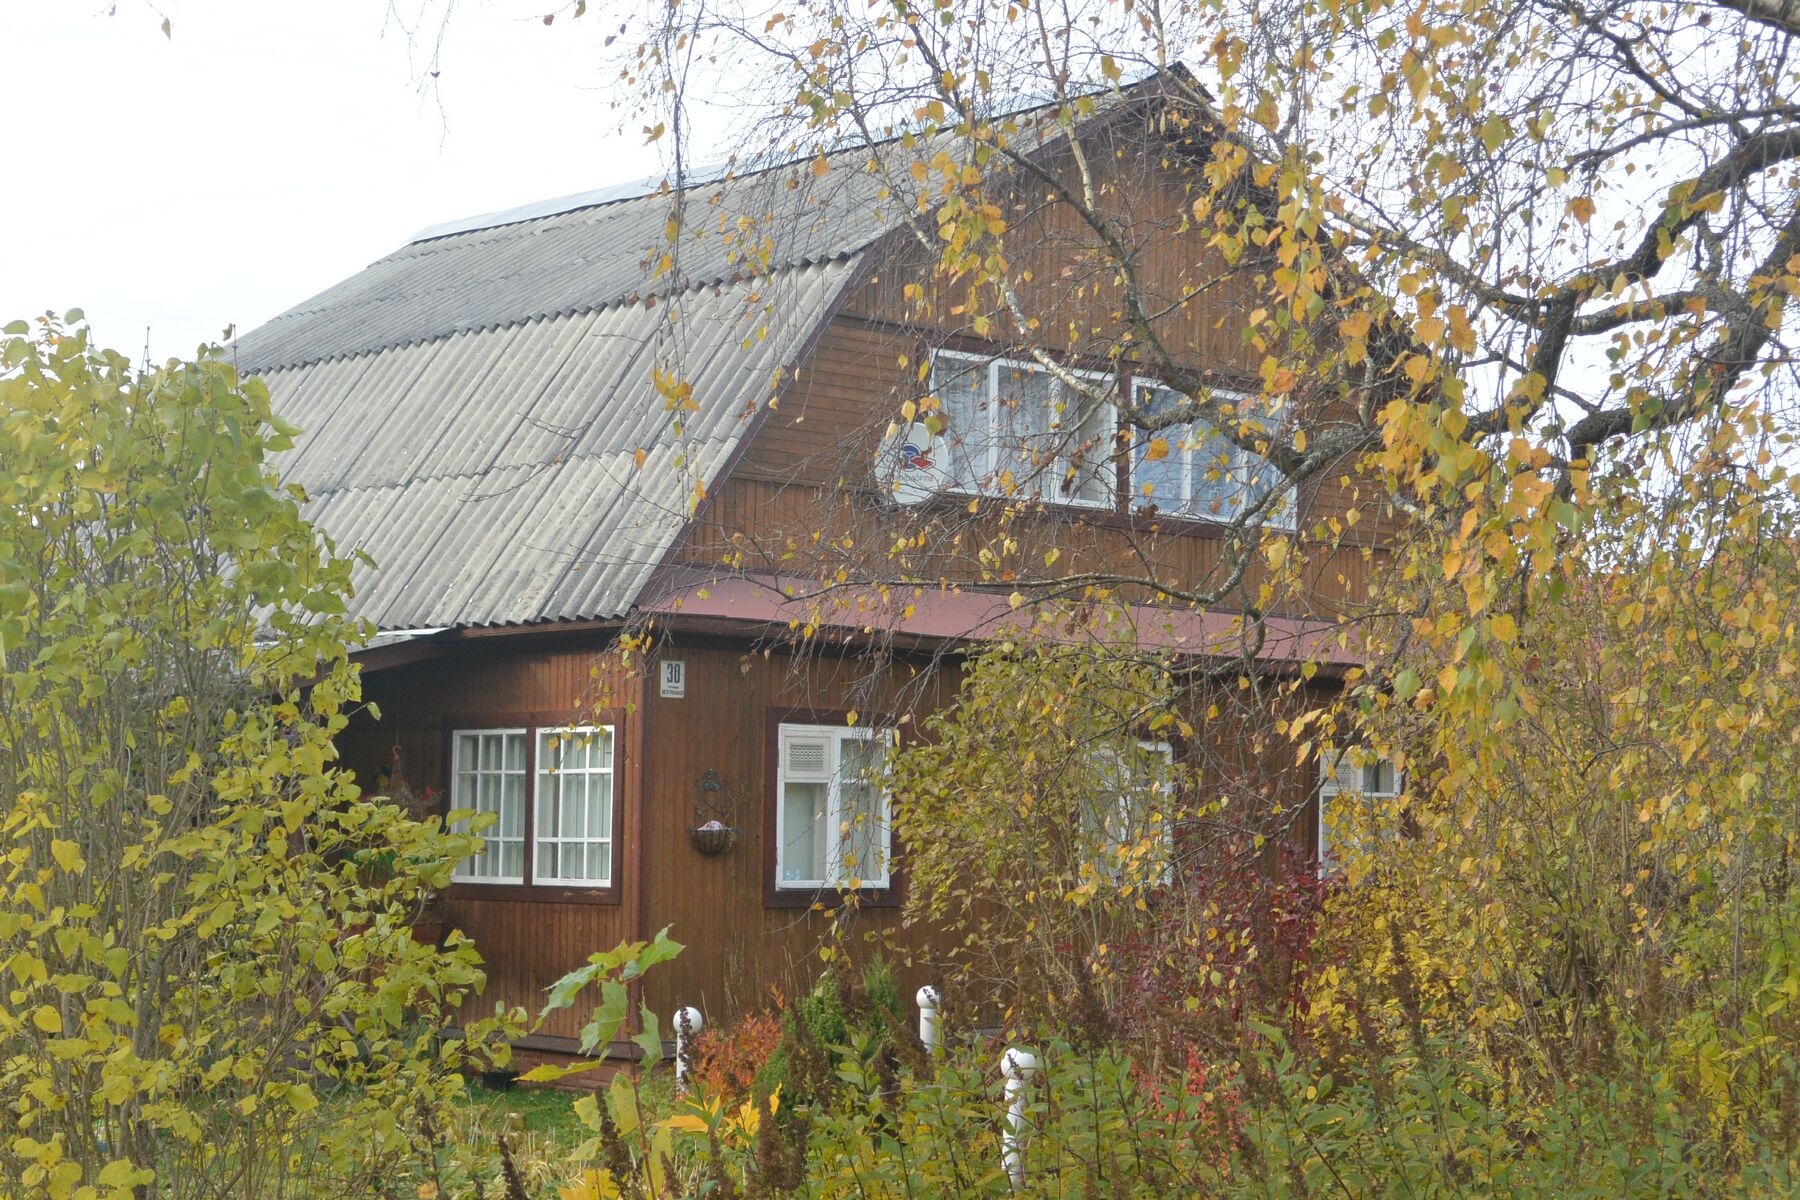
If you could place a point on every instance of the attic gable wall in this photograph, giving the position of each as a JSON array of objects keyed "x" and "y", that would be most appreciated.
[{"x": 809, "y": 469}]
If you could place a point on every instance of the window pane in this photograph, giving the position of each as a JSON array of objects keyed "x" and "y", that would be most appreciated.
[
  {"x": 599, "y": 809},
  {"x": 465, "y": 752},
  {"x": 1028, "y": 441},
  {"x": 1089, "y": 455},
  {"x": 515, "y": 752},
  {"x": 600, "y": 862},
  {"x": 1163, "y": 481},
  {"x": 547, "y": 809},
  {"x": 1215, "y": 490},
  {"x": 861, "y": 836},
  {"x": 547, "y": 861},
  {"x": 512, "y": 859},
  {"x": 489, "y": 797},
  {"x": 1130, "y": 804},
  {"x": 574, "y": 862},
  {"x": 602, "y": 755},
  {"x": 802, "y": 852},
  {"x": 512, "y": 820},
  {"x": 1378, "y": 777},
  {"x": 574, "y": 789},
  {"x": 960, "y": 384},
  {"x": 1262, "y": 480}
]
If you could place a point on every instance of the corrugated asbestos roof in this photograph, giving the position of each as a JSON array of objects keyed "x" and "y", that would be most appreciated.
[
  {"x": 580, "y": 260},
  {"x": 492, "y": 475},
  {"x": 472, "y": 406}
]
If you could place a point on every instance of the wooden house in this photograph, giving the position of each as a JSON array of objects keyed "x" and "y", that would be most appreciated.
[{"x": 551, "y": 428}]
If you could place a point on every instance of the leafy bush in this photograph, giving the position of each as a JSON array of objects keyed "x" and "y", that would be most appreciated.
[
  {"x": 1435, "y": 1122},
  {"x": 817, "y": 1028},
  {"x": 728, "y": 1059},
  {"x": 208, "y": 995}
]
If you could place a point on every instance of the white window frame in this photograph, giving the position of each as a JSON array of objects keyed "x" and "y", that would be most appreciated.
[
  {"x": 1121, "y": 807},
  {"x": 833, "y": 823},
  {"x": 531, "y": 772},
  {"x": 1346, "y": 772},
  {"x": 541, "y": 770},
  {"x": 490, "y": 837},
  {"x": 989, "y": 467},
  {"x": 1188, "y": 440}
]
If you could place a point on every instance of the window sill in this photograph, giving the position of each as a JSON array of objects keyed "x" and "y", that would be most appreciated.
[
  {"x": 1146, "y": 508},
  {"x": 1107, "y": 503},
  {"x": 535, "y": 893},
  {"x": 830, "y": 898}
]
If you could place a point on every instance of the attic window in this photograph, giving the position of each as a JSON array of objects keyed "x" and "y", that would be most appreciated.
[
  {"x": 1013, "y": 428},
  {"x": 1198, "y": 472}
]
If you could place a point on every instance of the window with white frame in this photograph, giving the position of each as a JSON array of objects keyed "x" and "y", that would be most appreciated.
[
  {"x": 572, "y": 841},
  {"x": 1012, "y": 427},
  {"x": 831, "y": 807},
  {"x": 1193, "y": 470},
  {"x": 1356, "y": 776},
  {"x": 550, "y": 793},
  {"x": 1130, "y": 820},
  {"x": 488, "y": 776}
]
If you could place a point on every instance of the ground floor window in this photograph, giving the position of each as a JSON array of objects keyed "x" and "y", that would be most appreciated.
[
  {"x": 1352, "y": 779},
  {"x": 550, "y": 793},
  {"x": 831, "y": 808},
  {"x": 1129, "y": 823}
]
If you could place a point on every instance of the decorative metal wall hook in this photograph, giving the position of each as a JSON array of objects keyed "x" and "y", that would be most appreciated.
[{"x": 714, "y": 830}]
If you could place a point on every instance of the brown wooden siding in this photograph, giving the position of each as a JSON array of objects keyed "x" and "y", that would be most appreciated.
[
  {"x": 801, "y": 500},
  {"x": 809, "y": 468},
  {"x": 738, "y": 945},
  {"x": 527, "y": 943}
]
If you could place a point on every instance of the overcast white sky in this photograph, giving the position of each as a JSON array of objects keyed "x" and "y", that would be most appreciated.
[{"x": 268, "y": 150}]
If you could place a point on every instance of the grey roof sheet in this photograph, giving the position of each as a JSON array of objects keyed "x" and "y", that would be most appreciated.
[
  {"x": 472, "y": 405},
  {"x": 491, "y": 475},
  {"x": 581, "y": 259}
]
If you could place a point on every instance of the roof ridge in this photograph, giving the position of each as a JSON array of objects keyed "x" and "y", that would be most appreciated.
[{"x": 716, "y": 171}]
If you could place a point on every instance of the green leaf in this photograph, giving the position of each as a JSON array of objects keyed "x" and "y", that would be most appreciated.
[
  {"x": 1406, "y": 684},
  {"x": 67, "y": 855}
]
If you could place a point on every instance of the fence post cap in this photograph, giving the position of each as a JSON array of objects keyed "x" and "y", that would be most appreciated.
[
  {"x": 1018, "y": 1064},
  {"x": 689, "y": 1019},
  {"x": 927, "y": 997}
]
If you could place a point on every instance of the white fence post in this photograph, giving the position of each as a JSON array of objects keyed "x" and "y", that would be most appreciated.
[
  {"x": 688, "y": 1022},
  {"x": 928, "y": 1017},
  {"x": 1018, "y": 1066}
]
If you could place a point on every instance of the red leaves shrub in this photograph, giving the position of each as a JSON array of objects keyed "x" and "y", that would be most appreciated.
[
  {"x": 1187, "y": 1096},
  {"x": 727, "y": 1059},
  {"x": 1231, "y": 946}
]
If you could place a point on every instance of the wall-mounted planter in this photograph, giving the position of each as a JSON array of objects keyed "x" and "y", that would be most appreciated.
[
  {"x": 715, "y": 808},
  {"x": 713, "y": 838}
]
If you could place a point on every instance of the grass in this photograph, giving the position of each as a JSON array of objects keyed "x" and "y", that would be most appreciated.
[
  {"x": 541, "y": 1128},
  {"x": 543, "y": 1112}
]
